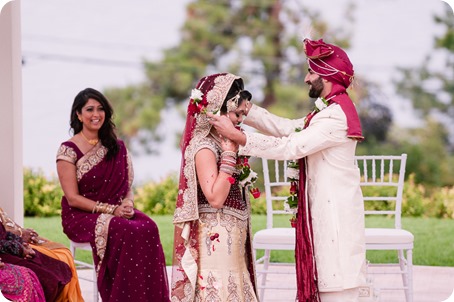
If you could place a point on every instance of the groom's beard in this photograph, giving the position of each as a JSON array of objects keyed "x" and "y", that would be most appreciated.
[{"x": 316, "y": 88}]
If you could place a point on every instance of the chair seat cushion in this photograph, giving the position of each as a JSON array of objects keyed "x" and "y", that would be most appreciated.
[
  {"x": 388, "y": 236},
  {"x": 275, "y": 236}
]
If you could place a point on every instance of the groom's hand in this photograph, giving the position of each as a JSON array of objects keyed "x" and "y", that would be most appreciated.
[
  {"x": 222, "y": 123},
  {"x": 225, "y": 128}
]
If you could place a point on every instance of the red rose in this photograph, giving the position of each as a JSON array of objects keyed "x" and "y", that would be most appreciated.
[
  {"x": 293, "y": 188},
  {"x": 255, "y": 192},
  {"x": 293, "y": 222}
]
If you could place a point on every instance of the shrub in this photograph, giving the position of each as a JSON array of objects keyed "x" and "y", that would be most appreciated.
[
  {"x": 157, "y": 198},
  {"x": 258, "y": 206},
  {"x": 42, "y": 196}
]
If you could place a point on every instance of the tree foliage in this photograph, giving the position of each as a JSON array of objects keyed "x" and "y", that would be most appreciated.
[
  {"x": 259, "y": 40},
  {"x": 431, "y": 90}
]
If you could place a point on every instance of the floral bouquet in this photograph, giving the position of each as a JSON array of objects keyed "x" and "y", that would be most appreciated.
[
  {"x": 247, "y": 176},
  {"x": 292, "y": 201}
]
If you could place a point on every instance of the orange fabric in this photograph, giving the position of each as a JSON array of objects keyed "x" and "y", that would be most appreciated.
[{"x": 71, "y": 292}]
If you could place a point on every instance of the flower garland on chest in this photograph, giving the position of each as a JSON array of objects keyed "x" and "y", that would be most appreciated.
[{"x": 291, "y": 204}]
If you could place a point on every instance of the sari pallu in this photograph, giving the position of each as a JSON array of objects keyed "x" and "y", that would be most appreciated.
[
  {"x": 128, "y": 254},
  {"x": 20, "y": 284}
]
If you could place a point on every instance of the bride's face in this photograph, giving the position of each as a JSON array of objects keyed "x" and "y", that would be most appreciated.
[{"x": 237, "y": 116}]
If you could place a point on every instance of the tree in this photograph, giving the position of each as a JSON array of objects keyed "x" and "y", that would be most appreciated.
[
  {"x": 260, "y": 40},
  {"x": 376, "y": 119},
  {"x": 431, "y": 90}
]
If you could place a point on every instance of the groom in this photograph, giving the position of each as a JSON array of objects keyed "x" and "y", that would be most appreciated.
[{"x": 330, "y": 246}]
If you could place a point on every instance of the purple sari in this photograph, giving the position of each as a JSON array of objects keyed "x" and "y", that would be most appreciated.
[
  {"x": 128, "y": 254},
  {"x": 20, "y": 284}
]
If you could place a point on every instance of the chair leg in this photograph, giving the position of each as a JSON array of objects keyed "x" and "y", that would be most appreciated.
[
  {"x": 266, "y": 262},
  {"x": 410, "y": 275},
  {"x": 406, "y": 267},
  {"x": 95, "y": 285}
]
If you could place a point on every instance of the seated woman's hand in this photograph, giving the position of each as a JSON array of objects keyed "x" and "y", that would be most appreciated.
[
  {"x": 30, "y": 236},
  {"x": 124, "y": 210},
  {"x": 28, "y": 252}
]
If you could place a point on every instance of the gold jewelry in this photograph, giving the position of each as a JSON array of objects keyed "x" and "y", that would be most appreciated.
[
  {"x": 90, "y": 141},
  {"x": 106, "y": 208},
  {"x": 232, "y": 104}
]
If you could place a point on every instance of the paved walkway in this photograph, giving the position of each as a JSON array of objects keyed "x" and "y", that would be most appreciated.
[{"x": 431, "y": 284}]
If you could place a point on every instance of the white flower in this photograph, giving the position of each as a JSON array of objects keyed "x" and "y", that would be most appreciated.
[
  {"x": 196, "y": 94},
  {"x": 249, "y": 179},
  {"x": 321, "y": 104},
  {"x": 293, "y": 173}
]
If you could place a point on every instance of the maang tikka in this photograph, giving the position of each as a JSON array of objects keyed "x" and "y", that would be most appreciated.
[{"x": 232, "y": 104}]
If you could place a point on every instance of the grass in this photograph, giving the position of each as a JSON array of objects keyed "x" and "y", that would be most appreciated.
[{"x": 434, "y": 239}]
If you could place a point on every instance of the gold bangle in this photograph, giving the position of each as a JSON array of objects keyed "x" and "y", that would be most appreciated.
[
  {"x": 229, "y": 153},
  {"x": 95, "y": 208},
  {"x": 20, "y": 232}
]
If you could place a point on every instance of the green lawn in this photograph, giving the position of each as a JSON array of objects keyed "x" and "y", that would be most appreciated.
[{"x": 434, "y": 238}]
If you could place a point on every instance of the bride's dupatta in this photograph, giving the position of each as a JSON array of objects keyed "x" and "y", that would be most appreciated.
[
  {"x": 98, "y": 179},
  {"x": 185, "y": 254}
]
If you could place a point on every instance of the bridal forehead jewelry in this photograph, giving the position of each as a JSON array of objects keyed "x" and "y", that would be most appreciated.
[{"x": 232, "y": 104}]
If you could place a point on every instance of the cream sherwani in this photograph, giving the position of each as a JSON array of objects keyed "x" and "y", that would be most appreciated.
[{"x": 333, "y": 190}]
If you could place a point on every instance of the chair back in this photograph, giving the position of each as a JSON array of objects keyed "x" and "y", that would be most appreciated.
[
  {"x": 277, "y": 188},
  {"x": 382, "y": 183}
]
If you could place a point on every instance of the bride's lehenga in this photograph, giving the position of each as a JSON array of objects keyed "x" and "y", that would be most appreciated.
[
  {"x": 223, "y": 257},
  {"x": 212, "y": 258}
]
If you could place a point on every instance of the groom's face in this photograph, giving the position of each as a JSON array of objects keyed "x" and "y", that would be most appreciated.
[{"x": 315, "y": 83}]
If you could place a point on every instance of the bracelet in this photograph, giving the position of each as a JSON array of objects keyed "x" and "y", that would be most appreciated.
[
  {"x": 105, "y": 208},
  {"x": 228, "y": 153},
  {"x": 227, "y": 169},
  {"x": 95, "y": 207},
  {"x": 20, "y": 232},
  {"x": 228, "y": 160}
]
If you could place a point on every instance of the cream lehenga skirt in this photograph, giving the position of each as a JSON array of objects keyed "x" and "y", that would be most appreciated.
[{"x": 223, "y": 273}]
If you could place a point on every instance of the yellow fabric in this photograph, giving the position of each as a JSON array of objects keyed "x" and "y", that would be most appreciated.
[
  {"x": 223, "y": 273},
  {"x": 71, "y": 292}
]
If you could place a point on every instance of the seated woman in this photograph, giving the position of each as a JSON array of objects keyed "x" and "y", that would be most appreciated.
[
  {"x": 52, "y": 274},
  {"x": 19, "y": 284},
  {"x": 95, "y": 173},
  {"x": 71, "y": 292}
]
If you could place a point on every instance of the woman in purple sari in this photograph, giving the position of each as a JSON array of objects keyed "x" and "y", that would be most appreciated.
[{"x": 96, "y": 175}]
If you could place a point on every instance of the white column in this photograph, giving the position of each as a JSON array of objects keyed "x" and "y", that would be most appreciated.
[{"x": 11, "y": 174}]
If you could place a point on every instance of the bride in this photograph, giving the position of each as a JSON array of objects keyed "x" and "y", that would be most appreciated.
[{"x": 212, "y": 246}]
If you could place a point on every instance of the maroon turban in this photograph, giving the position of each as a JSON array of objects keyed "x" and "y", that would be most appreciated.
[{"x": 329, "y": 61}]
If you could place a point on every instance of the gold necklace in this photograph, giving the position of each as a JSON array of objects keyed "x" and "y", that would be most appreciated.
[{"x": 90, "y": 141}]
